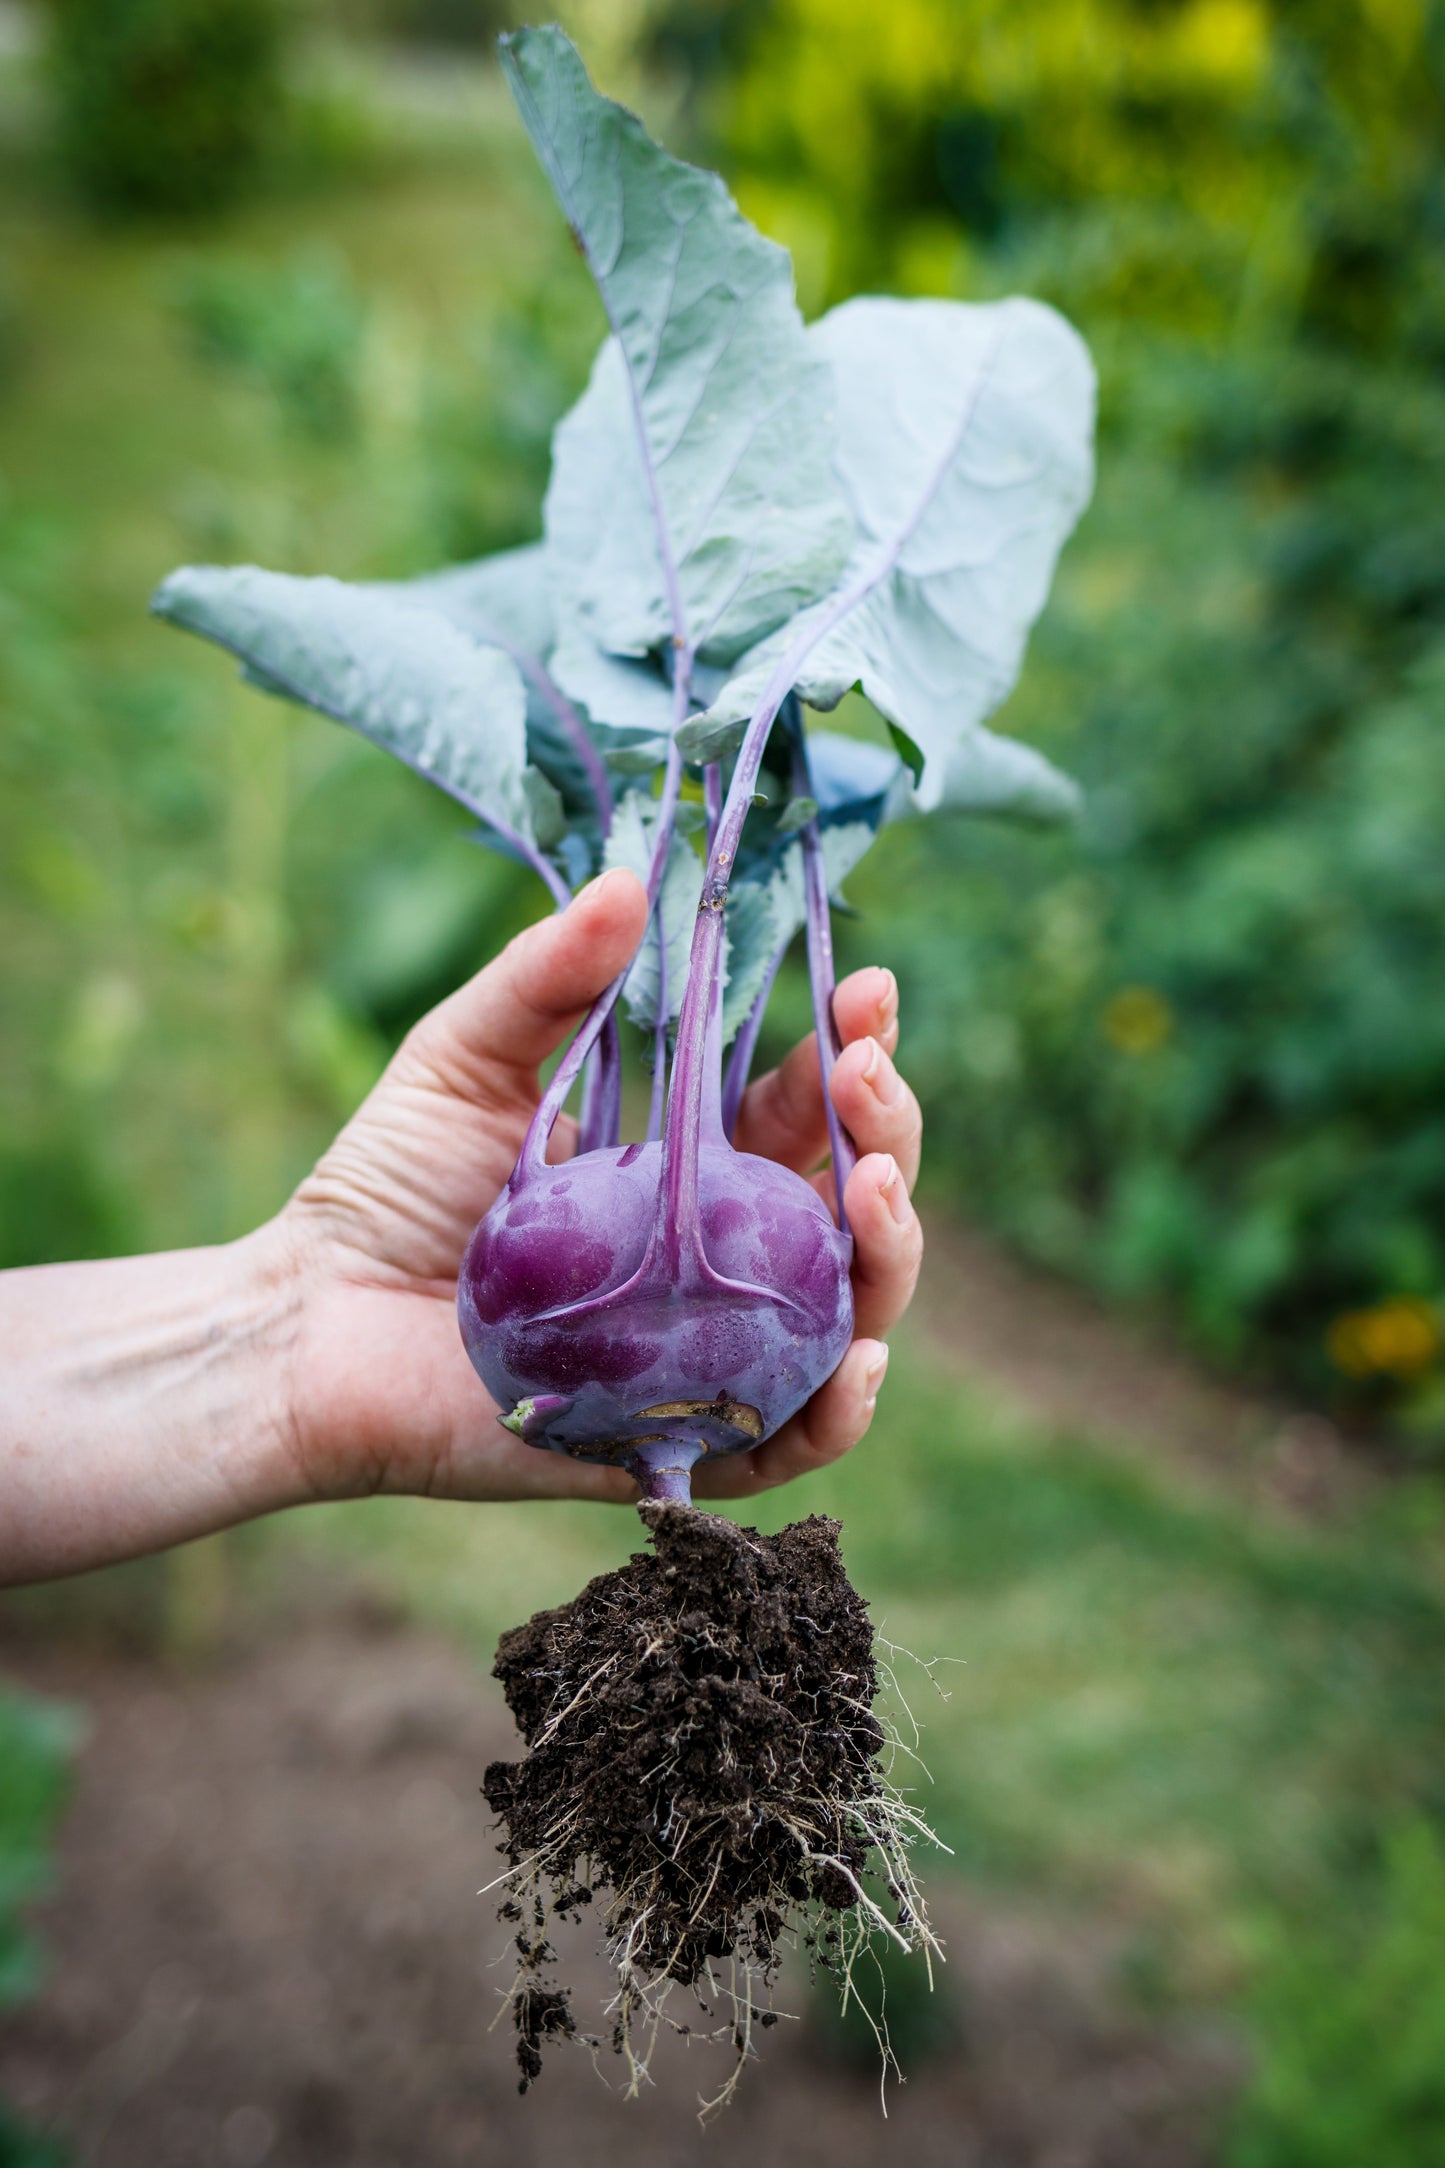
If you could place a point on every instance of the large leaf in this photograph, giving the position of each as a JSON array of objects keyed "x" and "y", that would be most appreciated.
[
  {"x": 766, "y": 909},
  {"x": 757, "y": 923},
  {"x": 988, "y": 773},
  {"x": 855, "y": 781},
  {"x": 692, "y": 492},
  {"x": 964, "y": 446},
  {"x": 405, "y": 677},
  {"x": 619, "y": 692},
  {"x": 505, "y": 600},
  {"x": 630, "y": 844}
]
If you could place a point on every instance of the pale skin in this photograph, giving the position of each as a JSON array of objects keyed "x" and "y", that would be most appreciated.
[{"x": 149, "y": 1400}]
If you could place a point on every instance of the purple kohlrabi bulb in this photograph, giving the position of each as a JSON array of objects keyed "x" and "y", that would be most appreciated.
[
  {"x": 652, "y": 1305},
  {"x": 601, "y": 1338}
]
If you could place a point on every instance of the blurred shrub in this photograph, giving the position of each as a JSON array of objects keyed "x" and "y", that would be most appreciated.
[
  {"x": 21, "y": 2148},
  {"x": 296, "y": 331},
  {"x": 1350, "y": 2033},
  {"x": 53, "y": 1204},
  {"x": 165, "y": 105},
  {"x": 1195, "y": 1055},
  {"x": 37, "y": 1740},
  {"x": 465, "y": 23},
  {"x": 893, "y": 2010},
  {"x": 11, "y": 330},
  {"x": 485, "y": 437}
]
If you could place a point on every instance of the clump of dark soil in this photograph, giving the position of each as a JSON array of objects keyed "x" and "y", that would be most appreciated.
[{"x": 703, "y": 1761}]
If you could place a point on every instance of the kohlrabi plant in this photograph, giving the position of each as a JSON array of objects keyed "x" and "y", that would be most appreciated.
[{"x": 748, "y": 517}]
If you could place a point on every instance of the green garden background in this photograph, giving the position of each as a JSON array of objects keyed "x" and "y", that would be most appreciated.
[{"x": 293, "y": 292}]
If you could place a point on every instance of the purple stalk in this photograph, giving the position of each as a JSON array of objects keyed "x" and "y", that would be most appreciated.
[
  {"x": 745, "y": 1046},
  {"x": 550, "y": 1105},
  {"x": 599, "y": 1125},
  {"x": 601, "y": 1121},
  {"x": 820, "y": 963},
  {"x": 712, "y": 786},
  {"x": 662, "y": 1469},
  {"x": 677, "y": 1196},
  {"x": 593, "y": 765},
  {"x": 659, "y": 1060},
  {"x": 561, "y": 894},
  {"x": 678, "y": 1191}
]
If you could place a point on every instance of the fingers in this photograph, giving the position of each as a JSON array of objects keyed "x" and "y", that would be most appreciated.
[
  {"x": 507, "y": 1019},
  {"x": 876, "y": 1107},
  {"x": 834, "y": 1420},
  {"x": 781, "y": 1116},
  {"x": 887, "y": 1243},
  {"x": 866, "y": 1004}
]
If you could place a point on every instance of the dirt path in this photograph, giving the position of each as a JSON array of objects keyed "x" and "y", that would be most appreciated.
[
  {"x": 1056, "y": 1353},
  {"x": 266, "y": 1950}
]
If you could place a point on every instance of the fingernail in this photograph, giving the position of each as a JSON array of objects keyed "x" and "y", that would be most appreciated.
[
  {"x": 888, "y": 1005},
  {"x": 895, "y": 1190},
  {"x": 594, "y": 887},
  {"x": 877, "y": 1371},
  {"x": 880, "y": 1073}
]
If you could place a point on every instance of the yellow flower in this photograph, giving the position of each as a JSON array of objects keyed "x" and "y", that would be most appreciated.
[
  {"x": 1398, "y": 1338},
  {"x": 1223, "y": 41},
  {"x": 1138, "y": 1020}
]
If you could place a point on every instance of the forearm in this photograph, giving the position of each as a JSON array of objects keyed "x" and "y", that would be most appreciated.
[{"x": 143, "y": 1401}]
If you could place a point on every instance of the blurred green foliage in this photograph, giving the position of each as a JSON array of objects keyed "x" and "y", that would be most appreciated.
[
  {"x": 465, "y": 24},
  {"x": 21, "y": 2148},
  {"x": 37, "y": 1741},
  {"x": 1350, "y": 2031},
  {"x": 1194, "y": 1055},
  {"x": 890, "y": 1998},
  {"x": 296, "y": 331},
  {"x": 166, "y": 105},
  {"x": 208, "y": 902},
  {"x": 1197, "y": 1055}
]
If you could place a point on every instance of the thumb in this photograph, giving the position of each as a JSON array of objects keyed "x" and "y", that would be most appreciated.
[{"x": 497, "y": 1028}]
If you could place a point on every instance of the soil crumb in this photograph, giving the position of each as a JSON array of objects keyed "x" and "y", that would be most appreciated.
[{"x": 704, "y": 1760}]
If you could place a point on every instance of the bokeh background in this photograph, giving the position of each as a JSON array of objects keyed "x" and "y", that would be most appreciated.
[{"x": 1158, "y": 1474}]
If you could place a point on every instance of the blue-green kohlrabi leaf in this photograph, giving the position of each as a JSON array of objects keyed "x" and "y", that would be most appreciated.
[
  {"x": 405, "y": 677},
  {"x": 504, "y": 600},
  {"x": 630, "y": 844},
  {"x": 622, "y": 692},
  {"x": 965, "y": 449},
  {"x": 692, "y": 493},
  {"x": 765, "y": 910}
]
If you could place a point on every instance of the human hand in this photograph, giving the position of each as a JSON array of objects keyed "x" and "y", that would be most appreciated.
[{"x": 380, "y": 1394}]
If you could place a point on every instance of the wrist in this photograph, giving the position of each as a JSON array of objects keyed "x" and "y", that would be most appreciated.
[
  {"x": 147, "y": 1402},
  {"x": 258, "y": 1311}
]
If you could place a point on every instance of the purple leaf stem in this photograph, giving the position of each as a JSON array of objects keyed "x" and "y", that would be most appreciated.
[
  {"x": 820, "y": 962},
  {"x": 553, "y": 1099},
  {"x": 745, "y": 1045}
]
